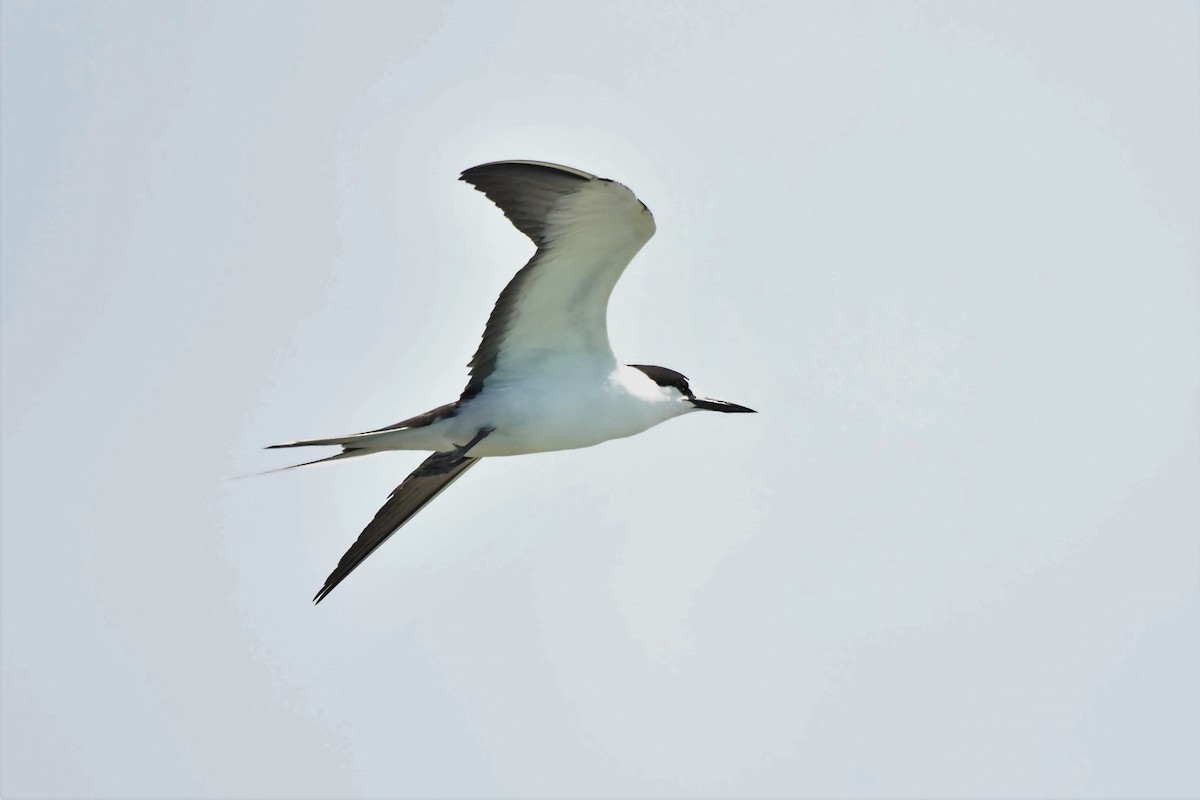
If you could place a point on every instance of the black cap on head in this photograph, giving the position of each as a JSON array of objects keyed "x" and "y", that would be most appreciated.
[{"x": 677, "y": 380}]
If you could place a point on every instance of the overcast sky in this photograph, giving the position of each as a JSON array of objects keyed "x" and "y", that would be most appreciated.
[{"x": 949, "y": 251}]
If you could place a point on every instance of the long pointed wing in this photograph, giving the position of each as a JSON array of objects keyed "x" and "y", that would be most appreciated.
[
  {"x": 587, "y": 229},
  {"x": 407, "y": 499}
]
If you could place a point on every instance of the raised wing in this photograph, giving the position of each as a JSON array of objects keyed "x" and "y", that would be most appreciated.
[
  {"x": 587, "y": 229},
  {"x": 408, "y": 498}
]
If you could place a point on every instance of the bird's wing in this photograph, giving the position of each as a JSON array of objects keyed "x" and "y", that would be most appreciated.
[
  {"x": 407, "y": 499},
  {"x": 587, "y": 229}
]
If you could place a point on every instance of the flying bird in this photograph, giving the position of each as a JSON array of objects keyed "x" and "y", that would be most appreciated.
[{"x": 544, "y": 377}]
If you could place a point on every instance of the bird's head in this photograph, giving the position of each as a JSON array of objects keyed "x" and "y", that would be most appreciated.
[{"x": 677, "y": 383}]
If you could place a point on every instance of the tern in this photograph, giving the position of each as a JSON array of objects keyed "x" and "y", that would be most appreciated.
[{"x": 544, "y": 377}]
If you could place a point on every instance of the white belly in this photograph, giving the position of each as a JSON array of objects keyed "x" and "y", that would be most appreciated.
[{"x": 543, "y": 417}]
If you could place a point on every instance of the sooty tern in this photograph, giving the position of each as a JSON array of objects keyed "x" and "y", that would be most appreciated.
[{"x": 544, "y": 377}]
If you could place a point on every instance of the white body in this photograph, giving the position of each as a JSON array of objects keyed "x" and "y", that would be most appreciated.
[{"x": 560, "y": 409}]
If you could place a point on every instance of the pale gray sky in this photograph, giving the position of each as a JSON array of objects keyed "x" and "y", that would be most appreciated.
[{"x": 949, "y": 251}]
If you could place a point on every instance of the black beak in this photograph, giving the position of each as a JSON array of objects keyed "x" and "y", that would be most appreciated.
[{"x": 709, "y": 404}]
